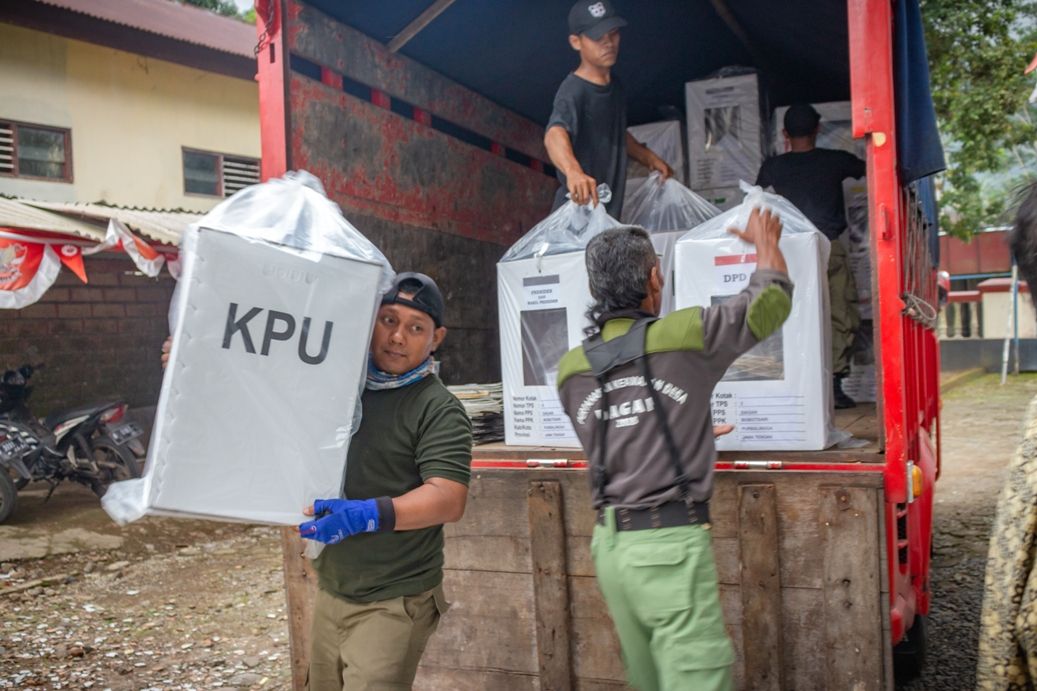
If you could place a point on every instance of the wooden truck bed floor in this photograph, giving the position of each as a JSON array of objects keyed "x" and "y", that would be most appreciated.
[{"x": 861, "y": 422}]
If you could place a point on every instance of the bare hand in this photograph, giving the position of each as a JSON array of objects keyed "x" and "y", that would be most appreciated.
[
  {"x": 583, "y": 188},
  {"x": 662, "y": 167},
  {"x": 166, "y": 346},
  {"x": 721, "y": 430},
  {"x": 763, "y": 229}
]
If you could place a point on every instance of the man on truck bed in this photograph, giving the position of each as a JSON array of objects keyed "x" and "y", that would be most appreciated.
[
  {"x": 587, "y": 138},
  {"x": 638, "y": 393},
  {"x": 812, "y": 179}
]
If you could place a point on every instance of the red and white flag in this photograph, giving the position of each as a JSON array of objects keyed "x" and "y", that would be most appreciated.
[
  {"x": 27, "y": 270},
  {"x": 72, "y": 257},
  {"x": 146, "y": 258}
]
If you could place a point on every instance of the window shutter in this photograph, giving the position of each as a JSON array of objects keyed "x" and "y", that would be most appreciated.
[
  {"x": 239, "y": 173},
  {"x": 6, "y": 148}
]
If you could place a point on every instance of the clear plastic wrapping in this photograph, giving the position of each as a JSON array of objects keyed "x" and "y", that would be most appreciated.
[
  {"x": 568, "y": 229},
  {"x": 543, "y": 299},
  {"x": 667, "y": 209},
  {"x": 778, "y": 396},
  {"x": 271, "y": 326},
  {"x": 666, "y": 140}
]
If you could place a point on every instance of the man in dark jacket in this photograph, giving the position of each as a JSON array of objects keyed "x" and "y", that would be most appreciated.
[
  {"x": 812, "y": 179},
  {"x": 638, "y": 394}
]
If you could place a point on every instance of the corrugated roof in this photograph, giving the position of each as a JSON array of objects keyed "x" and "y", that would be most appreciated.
[
  {"x": 165, "y": 227},
  {"x": 171, "y": 19},
  {"x": 15, "y": 214}
]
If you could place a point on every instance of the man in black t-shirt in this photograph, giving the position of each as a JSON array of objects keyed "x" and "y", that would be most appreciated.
[
  {"x": 586, "y": 136},
  {"x": 812, "y": 179}
]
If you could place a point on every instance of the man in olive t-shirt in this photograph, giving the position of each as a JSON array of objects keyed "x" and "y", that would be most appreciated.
[{"x": 380, "y": 577}]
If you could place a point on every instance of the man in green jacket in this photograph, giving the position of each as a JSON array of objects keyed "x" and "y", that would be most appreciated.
[
  {"x": 380, "y": 578},
  {"x": 638, "y": 393}
]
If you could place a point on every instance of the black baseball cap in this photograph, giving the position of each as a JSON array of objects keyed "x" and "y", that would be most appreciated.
[
  {"x": 801, "y": 119},
  {"x": 594, "y": 19},
  {"x": 425, "y": 295}
]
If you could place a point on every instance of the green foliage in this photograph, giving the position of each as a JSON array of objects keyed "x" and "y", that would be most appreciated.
[
  {"x": 224, "y": 7},
  {"x": 977, "y": 52}
]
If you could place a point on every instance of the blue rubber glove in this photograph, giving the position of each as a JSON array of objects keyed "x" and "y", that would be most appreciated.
[{"x": 337, "y": 519}]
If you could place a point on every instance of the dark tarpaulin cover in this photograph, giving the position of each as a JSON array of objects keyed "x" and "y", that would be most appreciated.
[{"x": 919, "y": 150}]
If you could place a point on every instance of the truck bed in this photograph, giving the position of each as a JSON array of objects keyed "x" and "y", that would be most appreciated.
[{"x": 862, "y": 422}]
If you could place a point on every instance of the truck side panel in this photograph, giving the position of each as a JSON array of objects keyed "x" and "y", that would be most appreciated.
[
  {"x": 799, "y": 559},
  {"x": 441, "y": 179}
]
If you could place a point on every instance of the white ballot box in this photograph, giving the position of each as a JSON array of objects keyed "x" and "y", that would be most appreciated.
[
  {"x": 778, "y": 396},
  {"x": 272, "y": 320},
  {"x": 725, "y": 131},
  {"x": 543, "y": 297},
  {"x": 543, "y": 302}
]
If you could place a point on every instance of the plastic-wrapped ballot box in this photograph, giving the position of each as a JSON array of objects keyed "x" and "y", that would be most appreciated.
[
  {"x": 725, "y": 131},
  {"x": 666, "y": 139},
  {"x": 778, "y": 395},
  {"x": 667, "y": 210},
  {"x": 543, "y": 299},
  {"x": 272, "y": 322}
]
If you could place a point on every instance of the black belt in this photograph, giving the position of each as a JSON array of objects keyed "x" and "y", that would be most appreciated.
[{"x": 669, "y": 515}]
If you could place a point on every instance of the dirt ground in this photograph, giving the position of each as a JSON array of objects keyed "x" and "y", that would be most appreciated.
[
  {"x": 172, "y": 604},
  {"x": 159, "y": 604}
]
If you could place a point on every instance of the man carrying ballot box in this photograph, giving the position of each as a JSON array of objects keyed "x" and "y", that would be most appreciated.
[
  {"x": 638, "y": 393},
  {"x": 380, "y": 579}
]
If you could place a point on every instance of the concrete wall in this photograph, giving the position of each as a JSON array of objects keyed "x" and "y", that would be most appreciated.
[
  {"x": 99, "y": 340},
  {"x": 431, "y": 199},
  {"x": 129, "y": 115},
  {"x": 968, "y": 353}
]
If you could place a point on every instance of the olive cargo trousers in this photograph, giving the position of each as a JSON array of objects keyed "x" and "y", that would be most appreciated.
[
  {"x": 660, "y": 586},
  {"x": 846, "y": 317},
  {"x": 370, "y": 646}
]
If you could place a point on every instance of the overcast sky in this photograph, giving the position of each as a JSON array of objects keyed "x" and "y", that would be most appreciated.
[{"x": 243, "y": 5}]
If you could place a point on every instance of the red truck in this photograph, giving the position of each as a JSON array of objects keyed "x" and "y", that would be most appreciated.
[{"x": 424, "y": 121}]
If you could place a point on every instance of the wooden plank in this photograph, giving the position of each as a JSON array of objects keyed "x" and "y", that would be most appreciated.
[
  {"x": 432, "y": 678},
  {"x": 803, "y": 639},
  {"x": 760, "y": 587},
  {"x": 550, "y": 586},
  {"x": 300, "y": 591},
  {"x": 490, "y": 625},
  {"x": 852, "y": 622},
  {"x": 596, "y": 652},
  {"x": 414, "y": 28},
  {"x": 487, "y": 553}
]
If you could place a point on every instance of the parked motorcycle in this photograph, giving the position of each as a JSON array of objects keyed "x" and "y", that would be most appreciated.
[{"x": 93, "y": 445}]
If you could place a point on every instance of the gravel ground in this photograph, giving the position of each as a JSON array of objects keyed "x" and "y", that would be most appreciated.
[
  {"x": 197, "y": 608},
  {"x": 981, "y": 426}
]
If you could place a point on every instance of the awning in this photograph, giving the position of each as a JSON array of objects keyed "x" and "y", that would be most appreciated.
[
  {"x": 37, "y": 238},
  {"x": 162, "y": 226},
  {"x": 15, "y": 215}
]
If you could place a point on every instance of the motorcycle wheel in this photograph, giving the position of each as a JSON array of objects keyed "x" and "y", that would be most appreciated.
[
  {"x": 116, "y": 463},
  {"x": 8, "y": 495}
]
